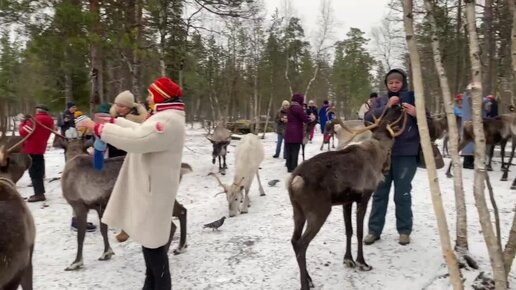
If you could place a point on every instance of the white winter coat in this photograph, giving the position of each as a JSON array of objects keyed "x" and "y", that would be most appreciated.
[{"x": 143, "y": 197}]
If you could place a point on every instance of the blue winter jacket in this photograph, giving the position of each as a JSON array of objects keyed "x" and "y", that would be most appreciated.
[{"x": 407, "y": 144}]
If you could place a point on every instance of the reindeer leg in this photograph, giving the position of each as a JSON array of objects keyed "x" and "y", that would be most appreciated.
[
  {"x": 299, "y": 224},
  {"x": 348, "y": 257},
  {"x": 314, "y": 224},
  {"x": 332, "y": 141},
  {"x": 303, "y": 151},
  {"x": 262, "y": 192},
  {"x": 445, "y": 146},
  {"x": 108, "y": 252},
  {"x": 491, "y": 152},
  {"x": 181, "y": 212},
  {"x": 81, "y": 213},
  {"x": 502, "y": 152},
  {"x": 173, "y": 228},
  {"x": 361, "y": 211},
  {"x": 509, "y": 163},
  {"x": 247, "y": 202},
  {"x": 26, "y": 279},
  {"x": 322, "y": 145},
  {"x": 13, "y": 283}
]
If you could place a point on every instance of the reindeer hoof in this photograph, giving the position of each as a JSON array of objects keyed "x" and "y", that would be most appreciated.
[
  {"x": 449, "y": 175},
  {"x": 503, "y": 179},
  {"x": 364, "y": 267},
  {"x": 262, "y": 194},
  {"x": 180, "y": 250},
  {"x": 489, "y": 168},
  {"x": 75, "y": 266},
  {"x": 243, "y": 212},
  {"x": 350, "y": 263},
  {"x": 106, "y": 255}
]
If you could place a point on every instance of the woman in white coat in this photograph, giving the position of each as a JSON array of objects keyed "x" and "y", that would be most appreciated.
[{"x": 143, "y": 197}]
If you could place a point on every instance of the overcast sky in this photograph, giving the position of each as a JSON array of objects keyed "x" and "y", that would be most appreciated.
[{"x": 363, "y": 14}]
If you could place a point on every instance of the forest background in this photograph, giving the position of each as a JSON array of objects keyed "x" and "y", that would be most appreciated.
[{"x": 232, "y": 57}]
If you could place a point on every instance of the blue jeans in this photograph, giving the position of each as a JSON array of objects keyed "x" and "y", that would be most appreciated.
[
  {"x": 278, "y": 146},
  {"x": 402, "y": 171}
]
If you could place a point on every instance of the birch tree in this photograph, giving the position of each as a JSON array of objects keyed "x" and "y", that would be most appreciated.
[
  {"x": 461, "y": 242},
  {"x": 510, "y": 247},
  {"x": 494, "y": 250},
  {"x": 453, "y": 267}
]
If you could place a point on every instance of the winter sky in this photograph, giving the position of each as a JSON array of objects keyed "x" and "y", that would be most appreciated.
[{"x": 363, "y": 14}]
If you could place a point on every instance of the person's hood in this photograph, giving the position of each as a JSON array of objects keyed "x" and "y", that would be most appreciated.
[
  {"x": 400, "y": 71},
  {"x": 298, "y": 98}
]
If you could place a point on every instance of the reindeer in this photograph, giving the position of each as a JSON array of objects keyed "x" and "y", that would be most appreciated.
[
  {"x": 308, "y": 127},
  {"x": 344, "y": 130},
  {"x": 248, "y": 156},
  {"x": 18, "y": 229},
  {"x": 86, "y": 188},
  {"x": 497, "y": 131},
  {"x": 341, "y": 177},
  {"x": 220, "y": 139}
]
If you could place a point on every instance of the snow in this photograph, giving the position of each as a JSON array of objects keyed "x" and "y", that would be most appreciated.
[{"x": 253, "y": 251}]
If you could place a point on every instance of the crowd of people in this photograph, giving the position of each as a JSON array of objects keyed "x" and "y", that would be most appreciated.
[{"x": 129, "y": 129}]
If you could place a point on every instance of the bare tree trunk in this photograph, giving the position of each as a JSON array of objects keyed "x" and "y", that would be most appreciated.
[
  {"x": 512, "y": 7},
  {"x": 461, "y": 243},
  {"x": 488, "y": 53},
  {"x": 136, "y": 49},
  {"x": 495, "y": 253},
  {"x": 510, "y": 247},
  {"x": 286, "y": 73},
  {"x": 458, "y": 45},
  {"x": 97, "y": 70},
  {"x": 68, "y": 86},
  {"x": 269, "y": 106},
  {"x": 453, "y": 267}
]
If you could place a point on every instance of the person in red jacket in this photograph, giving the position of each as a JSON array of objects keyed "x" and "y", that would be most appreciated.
[{"x": 35, "y": 146}]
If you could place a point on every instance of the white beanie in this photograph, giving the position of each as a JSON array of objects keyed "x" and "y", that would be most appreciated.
[
  {"x": 125, "y": 98},
  {"x": 285, "y": 103}
]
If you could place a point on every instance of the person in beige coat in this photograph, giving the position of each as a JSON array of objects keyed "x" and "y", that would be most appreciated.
[
  {"x": 125, "y": 106},
  {"x": 143, "y": 197}
]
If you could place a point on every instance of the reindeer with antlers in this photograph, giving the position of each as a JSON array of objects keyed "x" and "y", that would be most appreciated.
[
  {"x": 18, "y": 229},
  {"x": 341, "y": 177}
]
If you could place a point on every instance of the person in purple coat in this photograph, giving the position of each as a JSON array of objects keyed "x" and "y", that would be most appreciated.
[{"x": 296, "y": 117}]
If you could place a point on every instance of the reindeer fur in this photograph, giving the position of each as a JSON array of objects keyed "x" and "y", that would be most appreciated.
[
  {"x": 341, "y": 177},
  {"x": 86, "y": 188},
  {"x": 220, "y": 140},
  {"x": 249, "y": 154},
  {"x": 497, "y": 130}
]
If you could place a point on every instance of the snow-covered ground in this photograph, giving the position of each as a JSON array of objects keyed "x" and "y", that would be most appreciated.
[{"x": 253, "y": 251}]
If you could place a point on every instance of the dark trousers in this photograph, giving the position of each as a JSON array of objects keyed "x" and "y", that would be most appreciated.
[
  {"x": 37, "y": 173},
  {"x": 157, "y": 275},
  {"x": 292, "y": 152},
  {"x": 402, "y": 171}
]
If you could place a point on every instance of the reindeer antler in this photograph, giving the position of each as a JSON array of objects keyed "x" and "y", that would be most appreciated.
[
  {"x": 216, "y": 177},
  {"x": 381, "y": 116},
  {"x": 389, "y": 126}
]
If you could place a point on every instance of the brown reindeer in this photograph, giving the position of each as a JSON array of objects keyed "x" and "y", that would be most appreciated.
[
  {"x": 18, "y": 229},
  {"x": 307, "y": 129},
  {"x": 341, "y": 177},
  {"x": 220, "y": 140},
  {"x": 86, "y": 188},
  {"x": 497, "y": 130}
]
